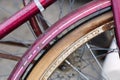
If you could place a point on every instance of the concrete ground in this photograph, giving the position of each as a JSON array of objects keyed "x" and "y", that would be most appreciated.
[{"x": 9, "y": 7}]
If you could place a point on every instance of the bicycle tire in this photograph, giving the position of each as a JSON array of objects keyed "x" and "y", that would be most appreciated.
[
  {"x": 42, "y": 41},
  {"x": 68, "y": 44}
]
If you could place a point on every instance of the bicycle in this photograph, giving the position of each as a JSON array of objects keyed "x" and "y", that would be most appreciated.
[{"x": 93, "y": 18}]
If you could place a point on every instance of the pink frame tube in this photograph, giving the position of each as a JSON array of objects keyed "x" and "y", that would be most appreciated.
[
  {"x": 57, "y": 28},
  {"x": 22, "y": 16},
  {"x": 116, "y": 11}
]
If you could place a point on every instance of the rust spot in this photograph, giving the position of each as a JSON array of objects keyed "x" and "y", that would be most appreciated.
[{"x": 108, "y": 26}]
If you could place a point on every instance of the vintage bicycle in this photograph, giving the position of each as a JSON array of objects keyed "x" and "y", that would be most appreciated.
[{"x": 53, "y": 55}]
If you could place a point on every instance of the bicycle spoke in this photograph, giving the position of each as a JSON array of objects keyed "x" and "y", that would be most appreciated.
[
  {"x": 71, "y": 4},
  {"x": 89, "y": 63},
  {"x": 60, "y": 4},
  {"x": 93, "y": 47},
  {"x": 96, "y": 60},
  {"x": 85, "y": 77},
  {"x": 94, "y": 56}
]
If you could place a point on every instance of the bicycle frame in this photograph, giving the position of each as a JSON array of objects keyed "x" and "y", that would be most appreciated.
[
  {"x": 22, "y": 16},
  {"x": 33, "y": 22},
  {"x": 116, "y": 11},
  {"x": 30, "y": 10}
]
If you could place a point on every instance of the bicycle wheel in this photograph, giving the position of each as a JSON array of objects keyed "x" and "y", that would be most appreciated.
[
  {"x": 15, "y": 44},
  {"x": 56, "y": 29},
  {"x": 47, "y": 68}
]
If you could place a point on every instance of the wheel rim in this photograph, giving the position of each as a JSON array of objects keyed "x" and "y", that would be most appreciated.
[{"x": 60, "y": 58}]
